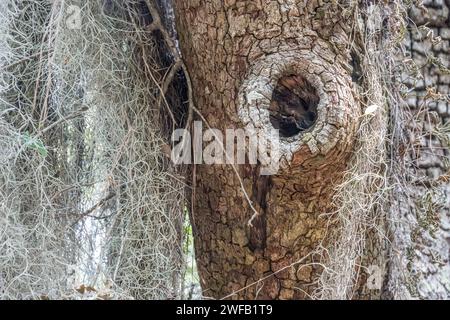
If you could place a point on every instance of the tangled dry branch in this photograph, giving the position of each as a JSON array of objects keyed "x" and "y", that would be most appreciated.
[{"x": 87, "y": 197}]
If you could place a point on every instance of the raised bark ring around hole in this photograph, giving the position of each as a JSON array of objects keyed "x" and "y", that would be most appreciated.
[{"x": 337, "y": 111}]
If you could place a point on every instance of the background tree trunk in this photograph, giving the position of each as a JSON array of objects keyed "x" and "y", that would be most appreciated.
[{"x": 420, "y": 268}]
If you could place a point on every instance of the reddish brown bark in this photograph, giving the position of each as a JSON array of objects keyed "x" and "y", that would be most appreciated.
[{"x": 239, "y": 50}]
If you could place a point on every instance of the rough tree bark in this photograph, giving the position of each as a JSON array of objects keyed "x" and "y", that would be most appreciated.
[
  {"x": 424, "y": 235},
  {"x": 237, "y": 51},
  {"x": 250, "y": 63}
]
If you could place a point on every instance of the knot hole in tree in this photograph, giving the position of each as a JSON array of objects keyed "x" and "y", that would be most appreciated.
[{"x": 293, "y": 107}]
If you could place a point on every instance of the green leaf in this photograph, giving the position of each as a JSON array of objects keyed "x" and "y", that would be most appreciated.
[{"x": 35, "y": 144}]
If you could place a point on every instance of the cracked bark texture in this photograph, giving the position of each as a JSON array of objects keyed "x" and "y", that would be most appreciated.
[
  {"x": 236, "y": 52},
  {"x": 423, "y": 236}
]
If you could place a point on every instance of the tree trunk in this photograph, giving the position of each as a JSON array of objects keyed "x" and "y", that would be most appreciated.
[
  {"x": 239, "y": 53},
  {"x": 422, "y": 234}
]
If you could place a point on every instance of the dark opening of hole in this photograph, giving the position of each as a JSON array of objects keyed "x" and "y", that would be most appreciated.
[{"x": 293, "y": 107}]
